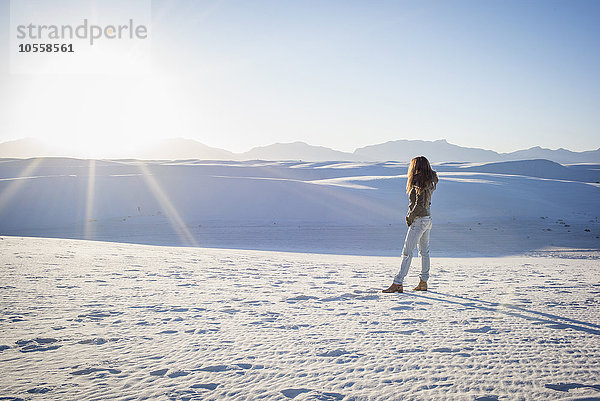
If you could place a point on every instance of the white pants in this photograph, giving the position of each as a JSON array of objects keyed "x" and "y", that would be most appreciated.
[{"x": 418, "y": 233}]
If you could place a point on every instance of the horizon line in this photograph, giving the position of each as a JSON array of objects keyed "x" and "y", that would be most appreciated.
[{"x": 157, "y": 142}]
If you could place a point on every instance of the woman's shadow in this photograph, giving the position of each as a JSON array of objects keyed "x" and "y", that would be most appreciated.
[{"x": 550, "y": 320}]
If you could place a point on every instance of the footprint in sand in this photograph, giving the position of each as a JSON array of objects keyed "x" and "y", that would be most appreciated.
[
  {"x": 217, "y": 368},
  {"x": 168, "y": 332},
  {"x": 179, "y": 373},
  {"x": 294, "y": 392},
  {"x": 408, "y": 332},
  {"x": 565, "y": 387},
  {"x": 450, "y": 351},
  {"x": 87, "y": 371},
  {"x": 402, "y": 307},
  {"x": 37, "y": 344},
  {"x": 93, "y": 341},
  {"x": 300, "y": 298},
  {"x": 160, "y": 372},
  {"x": 334, "y": 353},
  {"x": 411, "y": 320},
  {"x": 484, "y": 329},
  {"x": 205, "y": 386},
  {"x": 38, "y": 390}
]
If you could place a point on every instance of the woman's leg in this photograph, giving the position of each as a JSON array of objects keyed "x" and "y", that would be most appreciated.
[
  {"x": 424, "y": 251},
  {"x": 410, "y": 242}
]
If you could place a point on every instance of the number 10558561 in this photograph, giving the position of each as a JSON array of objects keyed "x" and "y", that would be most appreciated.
[{"x": 45, "y": 48}]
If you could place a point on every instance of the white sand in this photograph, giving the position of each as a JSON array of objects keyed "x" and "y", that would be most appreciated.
[
  {"x": 88, "y": 320},
  {"x": 91, "y": 320},
  {"x": 493, "y": 209}
]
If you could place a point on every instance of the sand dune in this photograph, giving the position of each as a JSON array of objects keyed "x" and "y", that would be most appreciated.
[{"x": 323, "y": 206}]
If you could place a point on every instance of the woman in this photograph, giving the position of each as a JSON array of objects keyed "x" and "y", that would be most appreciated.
[{"x": 421, "y": 183}]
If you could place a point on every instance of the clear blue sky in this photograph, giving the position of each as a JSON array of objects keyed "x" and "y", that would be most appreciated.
[{"x": 501, "y": 75}]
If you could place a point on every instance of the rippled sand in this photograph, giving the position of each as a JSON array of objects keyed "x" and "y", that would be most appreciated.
[{"x": 89, "y": 320}]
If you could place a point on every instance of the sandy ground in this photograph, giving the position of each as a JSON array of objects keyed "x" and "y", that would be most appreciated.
[
  {"x": 88, "y": 320},
  {"x": 457, "y": 239}
]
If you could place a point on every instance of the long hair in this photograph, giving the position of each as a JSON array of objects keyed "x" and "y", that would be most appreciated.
[{"x": 420, "y": 175}]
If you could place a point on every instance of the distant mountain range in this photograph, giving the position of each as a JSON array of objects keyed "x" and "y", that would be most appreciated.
[{"x": 400, "y": 150}]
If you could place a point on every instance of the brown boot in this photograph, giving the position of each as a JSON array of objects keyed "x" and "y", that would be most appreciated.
[
  {"x": 394, "y": 288},
  {"x": 422, "y": 286}
]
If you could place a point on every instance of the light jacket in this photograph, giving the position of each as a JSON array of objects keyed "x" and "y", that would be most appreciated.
[{"x": 420, "y": 203}]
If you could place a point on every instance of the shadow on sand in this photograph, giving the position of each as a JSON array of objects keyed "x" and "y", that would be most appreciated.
[{"x": 552, "y": 321}]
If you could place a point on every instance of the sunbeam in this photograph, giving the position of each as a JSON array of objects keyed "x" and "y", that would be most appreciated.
[
  {"x": 89, "y": 202},
  {"x": 170, "y": 211},
  {"x": 16, "y": 182}
]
